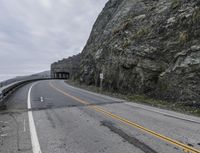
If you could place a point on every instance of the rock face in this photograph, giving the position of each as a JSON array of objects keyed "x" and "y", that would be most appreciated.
[
  {"x": 146, "y": 46},
  {"x": 69, "y": 65}
]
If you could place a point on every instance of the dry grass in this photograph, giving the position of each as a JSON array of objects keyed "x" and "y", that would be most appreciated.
[{"x": 175, "y": 106}]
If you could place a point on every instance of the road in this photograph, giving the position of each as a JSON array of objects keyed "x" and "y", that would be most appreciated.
[{"x": 54, "y": 117}]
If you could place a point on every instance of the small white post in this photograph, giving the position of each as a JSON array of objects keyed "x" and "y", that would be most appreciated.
[{"x": 101, "y": 81}]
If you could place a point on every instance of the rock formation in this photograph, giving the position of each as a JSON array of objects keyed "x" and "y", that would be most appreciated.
[
  {"x": 69, "y": 65},
  {"x": 147, "y": 47}
]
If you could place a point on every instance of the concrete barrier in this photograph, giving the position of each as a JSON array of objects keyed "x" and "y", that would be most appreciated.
[{"x": 7, "y": 90}]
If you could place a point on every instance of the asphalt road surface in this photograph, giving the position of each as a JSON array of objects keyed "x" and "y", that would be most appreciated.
[{"x": 54, "y": 117}]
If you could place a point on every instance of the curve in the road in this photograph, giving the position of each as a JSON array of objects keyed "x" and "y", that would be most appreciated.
[
  {"x": 183, "y": 146},
  {"x": 34, "y": 138}
]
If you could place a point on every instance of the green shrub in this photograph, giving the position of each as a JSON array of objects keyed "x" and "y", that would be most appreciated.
[
  {"x": 163, "y": 86},
  {"x": 142, "y": 32},
  {"x": 175, "y": 4},
  {"x": 183, "y": 37},
  {"x": 116, "y": 31},
  {"x": 196, "y": 15},
  {"x": 123, "y": 27},
  {"x": 126, "y": 43}
]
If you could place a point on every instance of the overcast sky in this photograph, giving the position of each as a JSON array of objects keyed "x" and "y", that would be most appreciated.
[{"x": 35, "y": 33}]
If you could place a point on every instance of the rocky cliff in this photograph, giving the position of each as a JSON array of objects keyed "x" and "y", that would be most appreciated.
[
  {"x": 147, "y": 47},
  {"x": 70, "y": 65}
]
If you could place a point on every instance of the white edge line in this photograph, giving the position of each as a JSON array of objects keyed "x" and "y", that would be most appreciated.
[
  {"x": 33, "y": 132},
  {"x": 166, "y": 114},
  {"x": 155, "y": 111}
]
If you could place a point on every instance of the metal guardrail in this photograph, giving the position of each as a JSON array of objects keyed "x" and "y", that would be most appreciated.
[{"x": 7, "y": 90}]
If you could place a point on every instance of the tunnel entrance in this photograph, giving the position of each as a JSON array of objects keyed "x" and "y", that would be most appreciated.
[{"x": 61, "y": 75}]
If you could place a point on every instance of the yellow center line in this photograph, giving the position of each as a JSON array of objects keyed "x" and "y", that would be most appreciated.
[{"x": 183, "y": 146}]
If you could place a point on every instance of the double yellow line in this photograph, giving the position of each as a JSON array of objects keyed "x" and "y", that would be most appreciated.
[{"x": 186, "y": 148}]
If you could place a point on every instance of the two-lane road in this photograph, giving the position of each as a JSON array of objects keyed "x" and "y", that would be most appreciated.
[{"x": 53, "y": 117}]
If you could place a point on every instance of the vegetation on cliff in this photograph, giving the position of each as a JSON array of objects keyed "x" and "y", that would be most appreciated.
[{"x": 146, "y": 47}]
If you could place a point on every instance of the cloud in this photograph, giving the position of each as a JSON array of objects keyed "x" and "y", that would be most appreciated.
[
  {"x": 35, "y": 33},
  {"x": 46, "y": 3}
]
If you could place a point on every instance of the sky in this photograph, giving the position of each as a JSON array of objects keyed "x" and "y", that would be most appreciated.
[{"x": 36, "y": 33}]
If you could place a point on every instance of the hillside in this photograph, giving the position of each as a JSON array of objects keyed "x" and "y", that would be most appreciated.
[{"x": 149, "y": 47}]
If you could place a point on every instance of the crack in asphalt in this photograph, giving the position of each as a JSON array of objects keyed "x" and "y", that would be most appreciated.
[
  {"x": 51, "y": 106},
  {"x": 49, "y": 117},
  {"x": 130, "y": 139}
]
